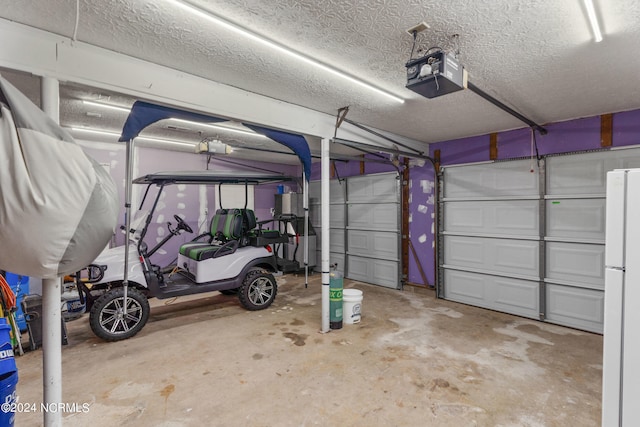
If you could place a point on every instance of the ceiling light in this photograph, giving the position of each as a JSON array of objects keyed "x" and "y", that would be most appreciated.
[
  {"x": 109, "y": 106},
  {"x": 220, "y": 127},
  {"x": 96, "y": 131},
  {"x": 593, "y": 20},
  {"x": 167, "y": 141},
  {"x": 144, "y": 138},
  {"x": 279, "y": 47}
]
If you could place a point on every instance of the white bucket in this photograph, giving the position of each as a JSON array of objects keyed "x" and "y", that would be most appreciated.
[{"x": 351, "y": 306}]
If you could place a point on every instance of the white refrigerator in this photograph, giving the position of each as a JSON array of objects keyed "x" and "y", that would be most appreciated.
[{"x": 621, "y": 352}]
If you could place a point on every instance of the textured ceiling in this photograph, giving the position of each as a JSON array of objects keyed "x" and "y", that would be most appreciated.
[{"x": 536, "y": 56}]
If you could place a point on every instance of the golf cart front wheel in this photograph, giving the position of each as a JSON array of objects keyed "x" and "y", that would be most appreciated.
[
  {"x": 108, "y": 320},
  {"x": 258, "y": 290}
]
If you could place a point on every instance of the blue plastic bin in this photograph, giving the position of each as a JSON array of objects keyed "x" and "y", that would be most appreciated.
[{"x": 8, "y": 376}]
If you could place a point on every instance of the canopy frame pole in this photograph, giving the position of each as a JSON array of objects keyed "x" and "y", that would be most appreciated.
[
  {"x": 325, "y": 162},
  {"x": 127, "y": 222},
  {"x": 51, "y": 296}
]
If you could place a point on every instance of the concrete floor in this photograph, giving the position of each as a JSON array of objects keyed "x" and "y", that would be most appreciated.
[{"x": 412, "y": 361}]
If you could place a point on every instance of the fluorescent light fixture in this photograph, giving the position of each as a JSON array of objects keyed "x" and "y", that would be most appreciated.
[
  {"x": 109, "y": 106},
  {"x": 144, "y": 138},
  {"x": 279, "y": 47},
  {"x": 95, "y": 131},
  {"x": 593, "y": 20},
  {"x": 220, "y": 127},
  {"x": 167, "y": 141}
]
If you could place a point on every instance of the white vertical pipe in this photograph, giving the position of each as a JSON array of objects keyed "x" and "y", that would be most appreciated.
[
  {"x": 50, "y": 98},
  {"x": 51, "y": 295},
  {"x": 325, "y": 161},
  {"x": 305, "y": 205}
]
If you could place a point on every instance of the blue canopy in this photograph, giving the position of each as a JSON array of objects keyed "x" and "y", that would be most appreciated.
[
  {"x": 144, "y": 114},
  {"x": 295, "y": 142}
]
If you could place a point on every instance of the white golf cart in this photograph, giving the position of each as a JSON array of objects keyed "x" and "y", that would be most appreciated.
[{"x": 235, "y": 256}]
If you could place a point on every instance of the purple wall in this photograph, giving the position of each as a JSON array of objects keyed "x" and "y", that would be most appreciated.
[
  {"x": 421, "y": 215},
  {"x": 626, "y": 128}
]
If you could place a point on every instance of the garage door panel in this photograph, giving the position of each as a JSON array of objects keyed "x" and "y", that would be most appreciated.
[
  {"x": 577, "y": 307},
  {"x": 382, "y": 245},
  {"x": 381, "y": 188},
  {"x": 336, "y": 242},
  {"x": 504, "y": 217},
  {"x": 509, "y": 295},
  {"x": 374, "y": 216},
  {"x": 491, "y": 180},
  {"x": 518, "y": 294},
  {"x": 336, "y": 216},
  {"x": 380, "y": 272},
  {"x": 576, "y": 218},
  {"x": 571, "y": 175},
  {"x": 505, "y": 256},
  {"x": 575, "y": 262},
  {"x": 586, "y": 173},
  {"x": 336, "y": 192}
]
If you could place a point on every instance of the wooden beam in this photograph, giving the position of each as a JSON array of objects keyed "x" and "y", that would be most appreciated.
[
  {"x": 362, "y": 165},
  {"x": 606, "y": 130},
  {"x": 493, "y": 146},
  {"x": 333, "y": 170},
  {"x": 405, "y": 221},
  {"x": 436, "y": 157}
]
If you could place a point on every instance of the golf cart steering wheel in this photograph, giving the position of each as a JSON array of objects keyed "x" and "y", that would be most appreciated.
[{"x": 182, "y": 225}]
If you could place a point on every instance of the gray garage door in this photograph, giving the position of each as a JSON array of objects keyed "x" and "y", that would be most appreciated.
[
  {"x": 364, "y": 227},
  {"x": 373, "y": 229},
  {"x": 337, "y": 226},
  {"x": 575, "y": 210},
  {"x": 491, "y": 237},
  {"x": 526, "y": 243}
]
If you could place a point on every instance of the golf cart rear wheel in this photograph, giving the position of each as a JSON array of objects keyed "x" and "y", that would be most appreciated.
[
  {"x": 258, "y": 290},
  {"x": 107, "y": 317}
]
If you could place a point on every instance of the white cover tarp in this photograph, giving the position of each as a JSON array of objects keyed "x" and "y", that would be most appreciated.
[{"x": 58, "y": 207}]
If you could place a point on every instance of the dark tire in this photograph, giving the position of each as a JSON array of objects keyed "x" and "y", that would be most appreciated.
[
  {"x": 107, "y": 315},
  {"x": 229, "y": 291},
  {"x": 258, "y": 290}
]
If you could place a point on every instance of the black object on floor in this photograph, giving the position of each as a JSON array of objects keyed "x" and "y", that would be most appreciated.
[{"x": 32, "y": 307}]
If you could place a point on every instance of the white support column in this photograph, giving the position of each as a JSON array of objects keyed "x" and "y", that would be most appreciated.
[
  {"x": 305, "y": 205},
  {"x": 51, "y": 294},
  {"x": 324, "y": 151}
]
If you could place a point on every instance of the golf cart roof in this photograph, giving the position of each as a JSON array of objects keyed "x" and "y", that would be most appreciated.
[{"x": 210, "y": 177}]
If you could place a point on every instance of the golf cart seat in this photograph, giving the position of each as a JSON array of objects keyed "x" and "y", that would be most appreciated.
[{"x": 224, "y": 237}]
